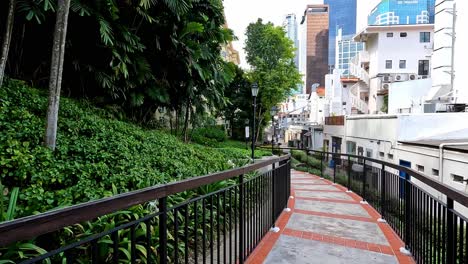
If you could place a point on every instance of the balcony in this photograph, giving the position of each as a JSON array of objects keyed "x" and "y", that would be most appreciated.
[
  {"x": 356, "y": 66},
  {"x": 357, "y": 103},
  {"x": 354, "y": 209}
]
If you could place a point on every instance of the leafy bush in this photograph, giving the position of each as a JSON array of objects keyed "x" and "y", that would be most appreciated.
[
  {"x": 209, "y": 136},
  {"x": 306, "y": 159},
  {"x": 94, "y": 152}
]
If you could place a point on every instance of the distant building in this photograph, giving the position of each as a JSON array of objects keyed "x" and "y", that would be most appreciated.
[
  {"x": 398, "y": 12},
  {"x": 291, "y": 28},
  {"x": 228, "y": 52},
  {"x": 316, "y": 21},
  {"x": 342, "y": 15},
  {"x": 393, "y": 55},
  {"x": 363, "y": 9},
  {"x": 346, "y": 49}
]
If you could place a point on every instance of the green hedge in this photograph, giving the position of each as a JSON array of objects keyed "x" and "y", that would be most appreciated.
[
  {"x": 94, "y": 152},
  {"x": 304, "y": 158}
]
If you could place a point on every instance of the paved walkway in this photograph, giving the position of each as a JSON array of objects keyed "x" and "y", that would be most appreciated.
[{"x": 328, "y": 225}]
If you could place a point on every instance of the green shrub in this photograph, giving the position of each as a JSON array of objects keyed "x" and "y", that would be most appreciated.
[
  {"x": 209, "y": 136},
  {"x": 94, "y": 152}
]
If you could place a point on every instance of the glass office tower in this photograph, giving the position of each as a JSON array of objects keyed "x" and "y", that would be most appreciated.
[
  {"x": 402, "y": 12},
  {"x": 342, "y": 15}
]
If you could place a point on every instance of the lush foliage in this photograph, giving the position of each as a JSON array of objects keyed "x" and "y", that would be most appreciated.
[
  {"x": 132, "y": 56},
  {"x": 95, "y": 152},
  {"x": 209, "y": 136},
  {"x": 271, "y": 54}
]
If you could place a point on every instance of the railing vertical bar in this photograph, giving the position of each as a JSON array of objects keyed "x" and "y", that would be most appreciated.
[
  {"x": 195, "y": 230},
  {"x": 163, "y": 231},
  {"x": 211, "y": 230},
  {"x": 349, "y": 173},
  {"x": 132, "y": 244},
  {"x": 236, "y": 226},
  {"x": 241, "y": 219},
  {"x": 231, "y": 228},
  {"x": 115, "y": 247},
  {"x": 465, "y": 260},
  {"x": 461, "y": 240},
  {"x": 364, "y": 180},
  {"x": 94, "y": 252},
  {"x": 450, "y": 232},
  {"x": 321, "y": 164},
  {"x": 149, "y": 254},
  {"x": 439, "y": 239},
  {"x": 273, "y": 195},
  {"x": 248, "y": 196},
  {"x": 218, "y": 227},
  {"x": 383, "y": 176},
  {"x": 257, "y": 211},
  {"x": 444, "y": 232},
  {"x": 176, "y": 236},
  {"x": 186, "y": 231},
  {"x": 69, "y": 257},
  {"x": 407, "y": 189},
  {"x": 204, "y": 230},
  {"x": 224, "y": 228}
]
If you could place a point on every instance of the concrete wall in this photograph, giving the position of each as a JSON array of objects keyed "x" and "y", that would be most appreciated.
[
  {"x": 421, "y": 126},
  {"x": 408, "y": 95}
]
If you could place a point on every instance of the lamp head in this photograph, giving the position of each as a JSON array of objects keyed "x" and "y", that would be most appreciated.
[{"x": 254, "y": 89}]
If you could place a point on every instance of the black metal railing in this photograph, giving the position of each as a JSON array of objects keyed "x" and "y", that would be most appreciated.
[
  {"x": 430, "y": 217},
  {"x": 169, "y": 223}
]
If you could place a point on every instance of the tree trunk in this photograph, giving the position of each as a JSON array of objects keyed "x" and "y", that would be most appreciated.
[
  {"x": 177, "y": 122},
  {"x": 7, "y": 39},
  {"x": 186, "y": 123},
  {"x": 56, "y": 70}
]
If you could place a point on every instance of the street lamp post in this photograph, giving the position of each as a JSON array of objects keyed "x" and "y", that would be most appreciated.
[
  {"x": 273, "y": 112},
  {"x": 254, "y": 95}
]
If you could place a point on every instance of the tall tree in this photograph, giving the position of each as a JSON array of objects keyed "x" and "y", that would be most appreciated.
[
  {"x": 7, "y": 39},
  {"x": 271, "y": 55},
  {"x": 56, "y": 70}
]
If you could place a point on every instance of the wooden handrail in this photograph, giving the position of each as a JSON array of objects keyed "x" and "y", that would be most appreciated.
[{"x": 36, "y": 225}]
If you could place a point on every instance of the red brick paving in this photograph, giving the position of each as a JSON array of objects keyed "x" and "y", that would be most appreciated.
[{"x": 266, "y": 245}]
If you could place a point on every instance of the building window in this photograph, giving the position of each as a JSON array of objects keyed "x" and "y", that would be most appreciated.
[
  {"x": 424, "y": 37},
  {"x": 423, "y": 68},
  {"x": 402, "y": 64},
  {"x": 435, "y": 172},
  {"x": 390, "y": 156},
  {"x": 369, "y": 153},
  {"x": 388, "y": 64},
  {"x": 390, "y": 35},
  {"x": 420, "y": 168},
  {"x": 458, "y": 178},
  {"x": 403, "y": 34},
  {"x": 381, "y": 154},
  {"x": 351, "y": 147}
]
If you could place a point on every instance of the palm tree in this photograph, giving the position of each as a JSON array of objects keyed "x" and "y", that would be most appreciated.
[
  {"x": 7, "y": 39},
  {"x": 56, "y": 70}
]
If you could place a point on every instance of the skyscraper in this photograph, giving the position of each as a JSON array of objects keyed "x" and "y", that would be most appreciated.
[
  {"x": 290, "y": 26},
  {"x": 342, "y": 15},
  {"x": 316, "y": 22}
]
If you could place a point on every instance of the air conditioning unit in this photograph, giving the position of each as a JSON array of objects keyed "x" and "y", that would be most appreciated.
[
  {"x": 413, "y": 77},
  {"x": 401, "y": 77},
  {"x": 385, "y": 86},
  {"x": 387, "y": 79}
]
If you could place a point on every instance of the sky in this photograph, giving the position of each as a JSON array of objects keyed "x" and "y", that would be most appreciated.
[{"x": 240, "y": 13}]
